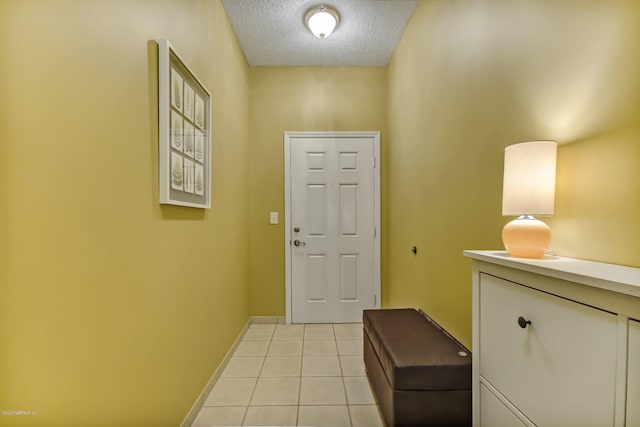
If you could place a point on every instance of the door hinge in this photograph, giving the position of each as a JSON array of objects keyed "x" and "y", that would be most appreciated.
[
  {"x": 374, "y": 162},
  {"x": 375, "y": 300},
  {"x": 375, "y": 232}
]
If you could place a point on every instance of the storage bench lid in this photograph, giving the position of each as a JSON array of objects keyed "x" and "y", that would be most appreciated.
[{"x": 415, "y": 352}]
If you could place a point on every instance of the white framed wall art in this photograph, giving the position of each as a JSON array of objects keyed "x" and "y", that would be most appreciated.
[{"x": 184, "y": 120}]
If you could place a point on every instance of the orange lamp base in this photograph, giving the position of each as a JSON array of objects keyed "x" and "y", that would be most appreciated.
[{"x": 526, "y": 237}]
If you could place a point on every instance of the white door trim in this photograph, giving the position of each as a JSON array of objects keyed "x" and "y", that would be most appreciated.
[{"x": 375, "y": 135}]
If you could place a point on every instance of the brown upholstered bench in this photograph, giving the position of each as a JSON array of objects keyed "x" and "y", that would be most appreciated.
[{"x": 420, "y": 374}]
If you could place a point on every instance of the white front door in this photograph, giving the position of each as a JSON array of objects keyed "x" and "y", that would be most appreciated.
[{"x": 333, "y": 214}]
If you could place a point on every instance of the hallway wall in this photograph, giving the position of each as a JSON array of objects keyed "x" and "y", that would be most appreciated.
[
  {"x": 469, "y": 78},
  {"x": 117, "y": 309},
  {"x": 114, "y": 310},
  {"x": 299, "y": 99}
]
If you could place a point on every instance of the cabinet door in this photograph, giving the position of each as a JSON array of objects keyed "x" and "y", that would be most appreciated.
[
  {"x": 493, "y": 413},
  {"x": 633, "y": 382},
  {"x": 560, "y": 369}
]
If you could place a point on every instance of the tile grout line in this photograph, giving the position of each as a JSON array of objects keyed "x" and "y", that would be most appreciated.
[
  {"x": 304, "y": 330},
  {"x": 344, "y": 386},
  {"x": 259, "y": 375},
  {"x": 304, "y": 339},
  {"x": 264, "y": 359},
  {"x": 246, "y": 410}
]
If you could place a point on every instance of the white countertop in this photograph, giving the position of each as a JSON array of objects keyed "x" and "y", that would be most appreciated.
[{"x": 612, "y": 277}]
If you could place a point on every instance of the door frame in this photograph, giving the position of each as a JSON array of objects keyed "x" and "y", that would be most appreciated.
[{"x": 288, "y": 136}]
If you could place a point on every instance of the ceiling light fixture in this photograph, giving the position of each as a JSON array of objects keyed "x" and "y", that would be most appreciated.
[{"x": 321, "y": 20}]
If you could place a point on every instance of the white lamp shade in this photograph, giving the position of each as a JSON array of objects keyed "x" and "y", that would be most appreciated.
[
  {"x": 529, "y": 178},
  {"x": 322, "y": 21}
]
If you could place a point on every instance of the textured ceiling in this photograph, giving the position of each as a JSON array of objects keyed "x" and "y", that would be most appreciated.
[{"x": 272, "y": 32}]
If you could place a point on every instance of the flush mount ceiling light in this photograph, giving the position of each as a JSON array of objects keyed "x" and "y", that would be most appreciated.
[{"x": 321, "y": 20}]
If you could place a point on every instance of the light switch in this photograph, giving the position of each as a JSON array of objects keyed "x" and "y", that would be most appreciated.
[{"x": 273, "y": 218}]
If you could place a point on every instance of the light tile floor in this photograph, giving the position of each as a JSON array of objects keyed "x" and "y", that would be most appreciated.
[{"x": 294, "y": 375}]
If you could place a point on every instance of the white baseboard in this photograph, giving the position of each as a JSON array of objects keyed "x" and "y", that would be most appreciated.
[
  {"x": 195, "y": 409},
  {"x": 267, "y": 320}
]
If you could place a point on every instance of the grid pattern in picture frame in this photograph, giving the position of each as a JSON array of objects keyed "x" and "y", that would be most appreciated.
[{"x": 185, "y": 142}]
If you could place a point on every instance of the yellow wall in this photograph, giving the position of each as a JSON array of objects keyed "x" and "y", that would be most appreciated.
[
  {"x": 598, "y": 196},
  {"x": 114, "y": 310},
  {"x": 471, "y": 77},
  {"x": 298, "y": 99}
]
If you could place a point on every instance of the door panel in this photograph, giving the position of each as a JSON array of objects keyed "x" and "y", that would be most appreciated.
[
  {"x": 316, "y": 278},
  {"x": 332, "y": 185},
  {"x": 349, "y": 277},
  {"x": 348, "y": 210},
  {"x": 317, "y": 210}
]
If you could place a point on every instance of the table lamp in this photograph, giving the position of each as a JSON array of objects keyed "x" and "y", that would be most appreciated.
[{"x": 528, "y": 190}]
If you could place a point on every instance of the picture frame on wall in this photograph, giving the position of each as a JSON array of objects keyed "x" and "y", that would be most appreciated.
[{"x": 184, "y": 120}]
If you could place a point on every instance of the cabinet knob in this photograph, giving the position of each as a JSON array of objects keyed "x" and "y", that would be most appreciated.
[{"x": 523, "y": 322}]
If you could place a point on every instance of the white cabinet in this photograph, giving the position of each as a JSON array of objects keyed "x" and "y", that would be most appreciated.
[
  {"x": 560, "y": 369},
  {"x": 494, "y": 413},
  {"x": 633, "y": 383},
  {"x": 551, "y": 341}
]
